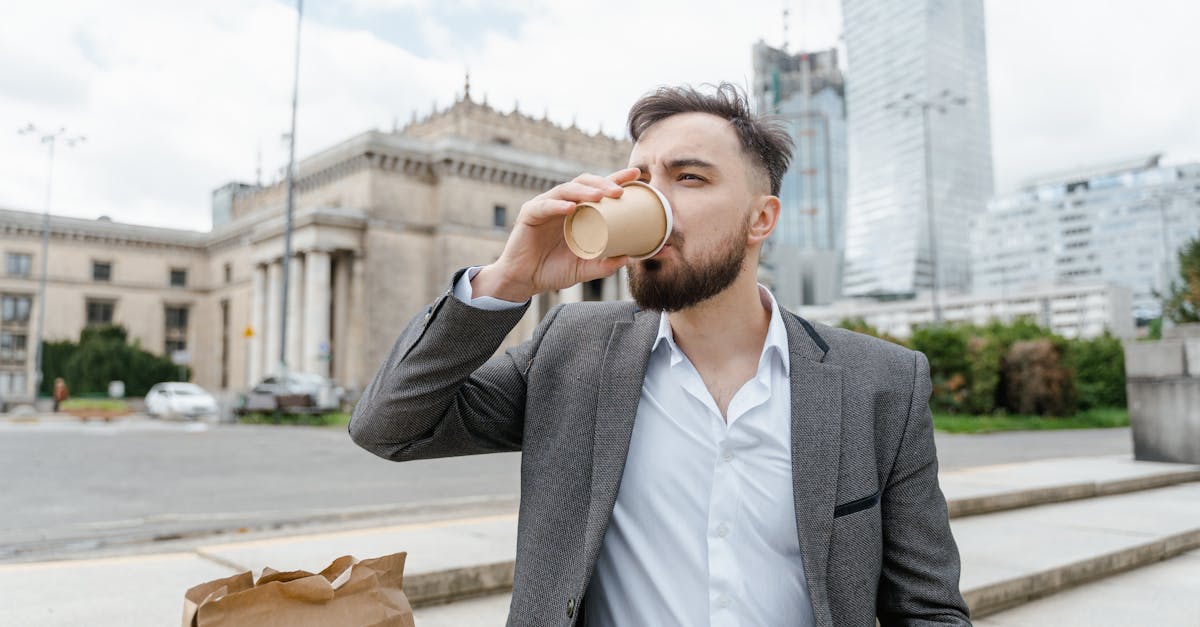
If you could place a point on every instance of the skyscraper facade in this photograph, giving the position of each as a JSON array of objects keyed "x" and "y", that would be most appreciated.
[
  {"x": 916, "y": 99},
  {"x": 807, "y": 91}
]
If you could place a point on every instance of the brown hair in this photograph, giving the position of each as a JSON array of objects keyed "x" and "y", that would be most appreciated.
[{"x": 763, "y": 138}]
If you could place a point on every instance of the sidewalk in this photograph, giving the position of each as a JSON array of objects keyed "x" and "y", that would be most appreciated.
[{"x": 471, "y": 557}]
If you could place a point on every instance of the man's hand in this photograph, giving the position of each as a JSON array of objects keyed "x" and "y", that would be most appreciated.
[{"x": 536, "y": 257}]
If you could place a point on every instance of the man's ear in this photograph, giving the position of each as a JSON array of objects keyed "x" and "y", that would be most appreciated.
[{"x": 763, "y": 218}]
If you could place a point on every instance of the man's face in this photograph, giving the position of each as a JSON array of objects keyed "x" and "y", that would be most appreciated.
[{"x": 697, "y": 162}]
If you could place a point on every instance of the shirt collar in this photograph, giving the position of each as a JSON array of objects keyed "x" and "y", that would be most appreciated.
[{"x": 775, "y": 343}]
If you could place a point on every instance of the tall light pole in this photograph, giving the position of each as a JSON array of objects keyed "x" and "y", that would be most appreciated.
[
  {"x": 907, "y": 105},
  {"x": 50, "y": 138},
  {"x": 1163, "y": 198},
  {"x": 291, "y": 190}
]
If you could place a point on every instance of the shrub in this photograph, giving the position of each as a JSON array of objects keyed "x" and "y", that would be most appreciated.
[
  {"x": 54, "y": 362},
  {"x": 103, "y": 355},
  {"x": 859, "y": 325},
  {"x": 1099, "y": 367},
  {"x": 946, "y": 348},
  {"x": 1037, "y": 380}
]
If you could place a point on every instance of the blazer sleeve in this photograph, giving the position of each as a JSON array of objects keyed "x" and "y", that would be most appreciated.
[
  {"x": 441, "y": 393},
  {"x": 919, "y": 582}
]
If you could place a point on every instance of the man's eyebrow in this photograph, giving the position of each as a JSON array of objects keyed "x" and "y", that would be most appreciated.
[{"x": 690, "y": 163}]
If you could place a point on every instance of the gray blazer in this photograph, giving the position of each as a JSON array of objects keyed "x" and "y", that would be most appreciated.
[{"x": 872, "y": 521}]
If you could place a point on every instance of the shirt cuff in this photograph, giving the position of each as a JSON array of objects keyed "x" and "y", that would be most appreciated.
[{"x": 463, "y": 292}]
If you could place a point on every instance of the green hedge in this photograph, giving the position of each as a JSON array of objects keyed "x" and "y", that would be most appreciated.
[
  {"x": 104, "y": 354},
  {"x": 968, "y": 363}
]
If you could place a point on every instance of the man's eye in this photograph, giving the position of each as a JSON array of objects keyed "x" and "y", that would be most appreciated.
[{"x": 689, "y": 177}]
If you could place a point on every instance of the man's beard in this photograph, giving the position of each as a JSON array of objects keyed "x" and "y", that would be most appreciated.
[{"x": 687, "y": 283}]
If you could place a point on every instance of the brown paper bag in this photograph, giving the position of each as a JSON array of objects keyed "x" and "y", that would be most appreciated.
[{"x": 348, "y": 593}]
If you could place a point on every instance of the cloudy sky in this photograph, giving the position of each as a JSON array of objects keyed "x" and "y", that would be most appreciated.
[{"x": 176, "y": 98}]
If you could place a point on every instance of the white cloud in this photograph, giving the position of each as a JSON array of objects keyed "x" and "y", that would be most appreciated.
[{"x": 177, "y": 97}]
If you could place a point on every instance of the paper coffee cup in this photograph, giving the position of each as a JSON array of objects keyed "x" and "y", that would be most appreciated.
[{"x": 636, "y": 224}]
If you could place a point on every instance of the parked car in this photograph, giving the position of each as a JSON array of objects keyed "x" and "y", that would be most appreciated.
[
  {"x": 302, "y": 391},
  {"x": 186, "y": 400}
]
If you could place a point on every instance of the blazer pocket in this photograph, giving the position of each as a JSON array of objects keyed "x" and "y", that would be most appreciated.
[{"x": 856, "y": 506}]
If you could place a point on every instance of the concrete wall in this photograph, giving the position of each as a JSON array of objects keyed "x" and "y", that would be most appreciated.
[{"x": 1163, "y": 383}]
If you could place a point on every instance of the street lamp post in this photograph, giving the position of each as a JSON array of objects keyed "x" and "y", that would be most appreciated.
[
  {"x": 50, "y": 138},
  {"x": 291, "y": 190},
  {"x": 907, "y": 105}
]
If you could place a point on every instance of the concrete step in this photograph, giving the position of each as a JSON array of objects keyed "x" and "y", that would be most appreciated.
[
  {"x": 1013, "y": 557},
  {"x": 1090, "y": 562},
  {"x": 987, "y": 489},
  {"x": 1166, "y": 594}
]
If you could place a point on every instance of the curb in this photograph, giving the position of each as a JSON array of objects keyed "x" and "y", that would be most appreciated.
[
  {"x": 999, "y": 502},
  {"x": 993, "y": 598},
  {"x": 447, "y": 586}
]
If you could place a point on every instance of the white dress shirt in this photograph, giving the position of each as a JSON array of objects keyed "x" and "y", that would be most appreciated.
[{"x": 704, "y": 528}]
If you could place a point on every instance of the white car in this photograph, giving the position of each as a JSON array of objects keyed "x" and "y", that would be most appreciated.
[{"x": 187, "y": 400}]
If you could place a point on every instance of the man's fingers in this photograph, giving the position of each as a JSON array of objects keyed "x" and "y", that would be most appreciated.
[
  {"x": 606, "y": 185},
  {"x": 539, "y": 210},
  {"x": 600, "y": 268},
  {"x": 620, "y": 177}
]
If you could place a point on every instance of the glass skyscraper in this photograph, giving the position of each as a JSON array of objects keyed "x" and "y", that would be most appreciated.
[
  {"x": 900, "y": 54},
  {"x": 806, "y": 91}
]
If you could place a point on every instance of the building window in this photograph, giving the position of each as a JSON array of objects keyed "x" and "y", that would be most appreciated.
[
  {"x": 100, "y": 312},
  {"x": 19, "y": 264},
  {"x": 499, "y": 216},
  {"x": 16, "y": 308},
  {"x": 178, "y": 277},
  {"x": 12, "y": 346},
  {"x": 177, "y": 326},
  {"x": 593, "y": 290},
  {"x": 228, "y": 273},
  {"x": 12, "y": 384},
  {"x": 101, "y": 271}
]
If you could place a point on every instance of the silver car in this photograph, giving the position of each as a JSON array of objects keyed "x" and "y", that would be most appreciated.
[{"x": 303, "y": 390}]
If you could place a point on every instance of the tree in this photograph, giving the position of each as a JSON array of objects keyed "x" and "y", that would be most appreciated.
[
  {"x": 103, "y": 355},
  {"x": 1181, "y": 304}
]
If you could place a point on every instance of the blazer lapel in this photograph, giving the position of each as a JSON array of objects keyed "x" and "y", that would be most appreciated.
[
  {"x": 621, "y": 374},
  {"x": 816, "y": 452}
]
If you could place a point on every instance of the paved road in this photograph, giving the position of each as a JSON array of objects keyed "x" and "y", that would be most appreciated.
[
  {"x": 66, "y": 482},
  {"x": 74, "y": 487}
]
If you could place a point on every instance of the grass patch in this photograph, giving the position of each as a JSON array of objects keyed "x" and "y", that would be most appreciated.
[
  {"x": 331, "y": 419},
  {"x": 1102, "y": 418},
  {"x": 97, "y": 404}
]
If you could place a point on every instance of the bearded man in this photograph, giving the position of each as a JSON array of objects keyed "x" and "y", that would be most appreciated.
[{"x": 696, "y": 457}]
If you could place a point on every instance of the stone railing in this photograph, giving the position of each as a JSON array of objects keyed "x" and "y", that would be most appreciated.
[{"x": 1163, "y": 381}]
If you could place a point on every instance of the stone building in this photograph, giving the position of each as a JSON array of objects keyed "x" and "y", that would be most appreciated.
[{"x": 381, "y": 222}]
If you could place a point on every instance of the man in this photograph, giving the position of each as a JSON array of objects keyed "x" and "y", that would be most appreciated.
[{"x": 701, "y": 456}]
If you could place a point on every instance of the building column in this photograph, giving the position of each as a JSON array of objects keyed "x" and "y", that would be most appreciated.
[
  {"x": 356, "y": 359},
  {"x": 341, "y": 307},
  {"x": 573, "y": 294},
  {"x": 258, "y": 323},
  {"x": 316, "y": 312},
  {"x": 270, "y": 361},
  {"x": 623, "y": 284},
  {"x": 295, "y": 314},
  {"x": 610, "y": 287}
]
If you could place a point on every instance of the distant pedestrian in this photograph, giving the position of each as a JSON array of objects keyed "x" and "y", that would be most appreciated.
[{"x": 60, "y": 391}]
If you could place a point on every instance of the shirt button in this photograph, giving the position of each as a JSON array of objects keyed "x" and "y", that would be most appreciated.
[
  {"x": 724, "y": 601},
  {"x": 728, "y": 456},
  {"x": 722, "y": 531}
]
